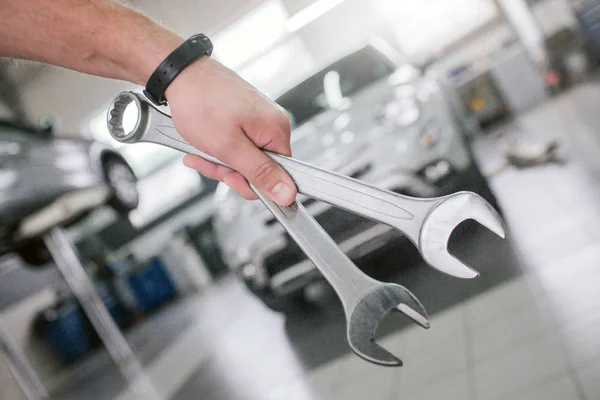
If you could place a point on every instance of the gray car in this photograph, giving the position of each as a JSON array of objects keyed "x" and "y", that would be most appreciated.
[
  {"x": 370, "y": 116},
  {"x": 47, "y": 181}
]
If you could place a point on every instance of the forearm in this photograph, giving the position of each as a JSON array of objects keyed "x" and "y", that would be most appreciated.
[{"x": 98, "y": 37}]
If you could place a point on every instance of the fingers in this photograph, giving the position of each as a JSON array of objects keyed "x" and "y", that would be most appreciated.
[
  {"x": 217, "y": 172},
  {"x": 270, "y": 130},
  {"x": 280, "y": 131},
  {"x": 236, "y": 124},
  {"x": 242, "y": 154},
  {"x": 260, "y": 170},
  {"x": 265, "y": 174},
  {"x": 238, "y": 183}
]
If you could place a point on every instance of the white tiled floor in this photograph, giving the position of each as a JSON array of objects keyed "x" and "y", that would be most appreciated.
[
  {"x": 324, "y": 380},
  {"x": 515, "y": 355},
  {"x": 521, "y": 367},
  {"x": 510, "y": 330},
  {"x": 589, "y": 376},
  {"x": 499, "y": 301},
  {"x": 452, "y": 386},
  {"x": 427, "y": 363},
  {"x": 559, "y": 387}
]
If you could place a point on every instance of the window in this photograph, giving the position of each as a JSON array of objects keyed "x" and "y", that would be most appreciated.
[
  {"x": 280, "y": 68},
  {"x": 427, "y": 26},
  {"x": 252, "y": 34}
]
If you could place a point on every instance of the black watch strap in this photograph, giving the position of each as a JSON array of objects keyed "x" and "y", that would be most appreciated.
[{"x": 189, "y": 51}]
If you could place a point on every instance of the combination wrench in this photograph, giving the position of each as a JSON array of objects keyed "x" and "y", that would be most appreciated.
[{"x": 428, "y": 223}]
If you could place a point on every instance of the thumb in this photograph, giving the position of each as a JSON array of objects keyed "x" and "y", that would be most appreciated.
[{"x": 263, "y": 173}]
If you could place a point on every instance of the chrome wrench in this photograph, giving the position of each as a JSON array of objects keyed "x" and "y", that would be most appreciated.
[
  {"x": 428, "y": 223},
  {"x": 365, "y": 300}
]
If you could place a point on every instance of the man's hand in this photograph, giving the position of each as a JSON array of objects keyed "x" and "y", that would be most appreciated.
[
  {"x": 212, "y": 107},
  {"x": 222, "y": 115}
]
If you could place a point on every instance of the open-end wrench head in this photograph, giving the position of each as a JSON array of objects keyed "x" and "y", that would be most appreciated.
[
  {"x": 441, "y": 221},
  {"x": 370, "y": 310}
]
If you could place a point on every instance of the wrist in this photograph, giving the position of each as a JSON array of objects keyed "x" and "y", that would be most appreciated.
[
  {"x": 196, "y": 47},
  {"x": 143, "y": 47},
  {"x": 150, "y": 56},
  {"x": 181, "y": 82}
]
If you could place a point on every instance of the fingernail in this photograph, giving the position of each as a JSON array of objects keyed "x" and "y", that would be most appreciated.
[{"x": 282, "y": 193}]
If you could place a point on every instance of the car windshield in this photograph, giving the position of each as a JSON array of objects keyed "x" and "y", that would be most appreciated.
[{"x": 350, "y": 74}]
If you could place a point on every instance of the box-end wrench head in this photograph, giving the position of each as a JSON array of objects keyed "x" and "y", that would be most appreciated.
[{"x": 365, "y": 300}]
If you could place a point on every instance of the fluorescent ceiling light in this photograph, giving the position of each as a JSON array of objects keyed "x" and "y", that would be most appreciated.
[
  {"x": 255, "y": 32},
  {"x": 310, "y": 13}
]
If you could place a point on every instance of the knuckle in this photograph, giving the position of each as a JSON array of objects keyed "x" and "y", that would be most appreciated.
[
  {"x": 263, "y": 172},
  {"x": 272, "y": 116},
  {"x": 281, "y": 118},
  {"x": 246, "y": 195},
  {"x": 225, "y": 146}
]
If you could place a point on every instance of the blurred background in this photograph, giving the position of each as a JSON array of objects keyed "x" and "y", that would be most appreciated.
[{"x": 215, "y": 301}]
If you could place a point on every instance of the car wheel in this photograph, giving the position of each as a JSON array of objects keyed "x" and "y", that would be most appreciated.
[
  {"x": 34, "y": 253},
  {"x": 123, "y": 183}
]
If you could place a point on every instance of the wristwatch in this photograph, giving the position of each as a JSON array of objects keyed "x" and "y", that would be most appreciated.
[{"x": 189, "y": 51}]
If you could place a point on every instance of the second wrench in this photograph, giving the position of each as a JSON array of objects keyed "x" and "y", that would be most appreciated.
[{"x": 365, "y": 300}]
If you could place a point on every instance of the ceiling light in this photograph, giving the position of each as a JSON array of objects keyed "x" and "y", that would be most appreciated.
[{"x": 310, "y": 13}]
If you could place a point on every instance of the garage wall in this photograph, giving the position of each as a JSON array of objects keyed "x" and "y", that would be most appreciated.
[
  {"x": 342, "y": 29},
  {"x": 73, "y": 98},
  {"x": 477, "y": 48},
  {"x": 553, "y": 15}
]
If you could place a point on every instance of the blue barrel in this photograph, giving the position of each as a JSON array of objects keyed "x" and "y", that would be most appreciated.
[
  {"x": 67, "y": 331},
  {"x": 151, "y": 285}
]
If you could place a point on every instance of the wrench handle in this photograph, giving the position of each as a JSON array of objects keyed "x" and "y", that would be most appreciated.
[
  {"x": 338, "y": 190},
  {"x": 349, "y": 282}
]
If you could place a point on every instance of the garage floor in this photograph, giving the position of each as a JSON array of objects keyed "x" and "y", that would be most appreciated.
[{"x": 527, "y": 328}]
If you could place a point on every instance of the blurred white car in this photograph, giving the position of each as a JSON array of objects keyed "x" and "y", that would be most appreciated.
[{"x": 369, "y": 116}]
